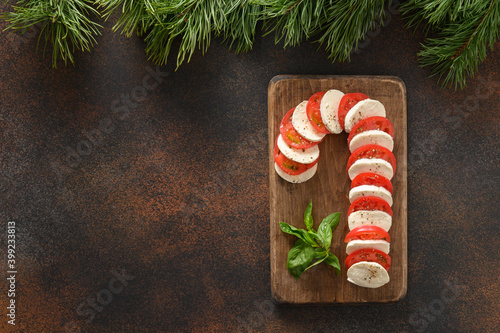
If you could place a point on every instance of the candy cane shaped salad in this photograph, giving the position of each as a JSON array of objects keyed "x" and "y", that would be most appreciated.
[{"x": 370, "y": 168}]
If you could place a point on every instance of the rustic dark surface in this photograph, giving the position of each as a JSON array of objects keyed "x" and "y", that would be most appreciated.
[{"x": 176, "y": 192}]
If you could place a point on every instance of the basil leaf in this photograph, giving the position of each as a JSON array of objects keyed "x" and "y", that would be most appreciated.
[
  {"x": 317, "y": 262},
  {"x": 332, "y": 220},
  {"x": 315, "y": 236},
  {"x": 325, "y": 235},
  {"x": 325, "y": 229},
  {"x": 319, "y": 253},
  {"x": 333, "y": 261},
  {"x": 300, "y": 233},
  {"x": 299, "y": 257},
  {"x": 308, "y": 219}
]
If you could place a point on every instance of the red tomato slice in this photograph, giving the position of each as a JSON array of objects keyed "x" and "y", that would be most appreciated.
[
  {"x": 346, "y": 103},
  {"x": 372, "y": 151},
  {"x": 371, "y": 255},
  {"x": 371, "y": 123},
  {"x": 370, "y": 178},
  {"x": 367, "y": 232},
  {"x": 291, "y": 136},
  {"x": 369, "y": 203},
  {"x": 289, "y": 166},
  {"x": 314, "y": 113}
]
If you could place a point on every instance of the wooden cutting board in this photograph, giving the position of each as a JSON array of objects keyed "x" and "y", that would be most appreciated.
[{"x": 329, "y": 189}]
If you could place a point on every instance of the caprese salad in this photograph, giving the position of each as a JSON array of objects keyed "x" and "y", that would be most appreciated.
[{"x": 370, "y": 167}]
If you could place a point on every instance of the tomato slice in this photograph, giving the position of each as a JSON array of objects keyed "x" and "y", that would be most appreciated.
[
  {"x": 346, "y": 103},
  {"x": 370, "y": 178},
  {"x": 369, "y": 203},
  {"x": 314, "y": 113},
  {"x": 291, "y": 136},
  {"x": 372, "y": 151},
  {"x": 367, "y": 232},
  {"x": 371, "y": 255},
  {"x": 371, "y": 123},
  {"x": 289, "y": 166}
]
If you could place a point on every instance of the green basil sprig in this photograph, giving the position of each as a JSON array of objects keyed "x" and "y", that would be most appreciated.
[{"x": 311, "y": 245}]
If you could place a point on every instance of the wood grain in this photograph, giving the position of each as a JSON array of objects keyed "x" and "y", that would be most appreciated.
[{"x": 329, "y": 189}]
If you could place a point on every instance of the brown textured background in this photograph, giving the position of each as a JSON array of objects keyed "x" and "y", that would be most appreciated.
[{"x": 177, "y": 193}]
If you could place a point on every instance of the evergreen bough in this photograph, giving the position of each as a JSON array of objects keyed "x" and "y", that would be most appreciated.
[
  {"x": 68, "y": 25},
  {"x": 462, "y": 30}
]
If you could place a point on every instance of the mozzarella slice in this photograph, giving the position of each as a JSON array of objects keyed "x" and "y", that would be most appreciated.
[
  {"x": 329, "y": 109},
  {"x": 303, "y": 126},
  {"x": 305, "y": 156},
  {"x": 370, "y": 190},
  {"x": 368, "y": 274},
  {"x": 375, "y": 165},
  {"x": 378, "y": 244},
  {"x": 363, "y": 109},
  {"x": 306, "y": 175},
  {"x": 369, "y": 217},
  {"x": 377, "y": 137}
]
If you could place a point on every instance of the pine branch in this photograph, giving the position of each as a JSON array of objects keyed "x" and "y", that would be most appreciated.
[
  {"x": 66, "y": 24},
  {"x": 348, "y": 22},
  {"x": 435, "y": 13},
  {"x": 463, "y": 36},
  {"x": 192, "y": 20},
  {"x": 292, "y": 20},
  {"x": 241, "y": 25},
  {"x": 463, "y": 29},
  {"x": 136, "y": 15}
]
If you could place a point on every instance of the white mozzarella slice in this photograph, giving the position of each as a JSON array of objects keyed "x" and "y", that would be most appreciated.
[
  {"x": 369, "y": 217},
  {"x": 363, "y": 109},
  {"x": 305, "y": 156},
  {"x": 304, "y": 176},
  {"x": 329, "y": 109},
  {"x": 370, "y": 190},
  {"x": 368, "y": 274},
  {"x": 377, "y": 137},
  {"x": 303, "y": 126},
  {"x": 377, "y": 244},
  {"x": 375, "y": 165}
]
